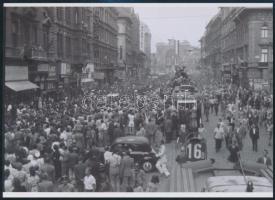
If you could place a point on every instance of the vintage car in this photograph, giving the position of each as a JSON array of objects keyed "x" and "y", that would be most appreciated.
[{"x": 139, "y": 148}]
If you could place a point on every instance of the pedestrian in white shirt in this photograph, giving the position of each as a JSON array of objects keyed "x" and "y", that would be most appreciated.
[
  {"x": 218, "y": 136},
  {"x": 107, "y": 154},
  {"x": 131, "y": 123},
  {"x": 89, "y": 182},
  {"x": 114, "y": 162},
  {"x": 161, "y": 164}
]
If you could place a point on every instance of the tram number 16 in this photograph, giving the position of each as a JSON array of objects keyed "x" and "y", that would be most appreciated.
[{"x": 194, "y": 151}]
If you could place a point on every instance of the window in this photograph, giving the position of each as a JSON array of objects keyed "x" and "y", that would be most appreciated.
[
  {"x": 264, "y": 32},
  {"x": 76, "y": 16},
  {"x": 68, "y": 15},
  {"x": 26, "y": 33},
  {"x": 68, "y": 48},
  {"x": 34, "y": 32},
  {"x": 264, "y": 55},
  {"x": 59, "y": 14},
  {"x": 84, "y": 46},
  {"x": 88, "y": 49},
  {"x": 120, "y": 52},
  {"x": 59, "y": 45},
  {"x": 96, "y": 53},
  {"x": 15, "y": 29},
  {"x": 45, "y": 38}
]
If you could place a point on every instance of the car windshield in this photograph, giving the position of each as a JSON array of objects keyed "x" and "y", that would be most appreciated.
[{"x": 134, "y": 147}]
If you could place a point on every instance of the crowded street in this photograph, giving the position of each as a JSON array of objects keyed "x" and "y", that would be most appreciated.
[{"x": 109, "y": 120}]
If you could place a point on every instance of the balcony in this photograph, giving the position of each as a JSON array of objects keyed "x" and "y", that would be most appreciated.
[
  {"x": 266, "y": 41},
  {"x": 13, "y": 52},
  {"x": 263, "y": 64}
]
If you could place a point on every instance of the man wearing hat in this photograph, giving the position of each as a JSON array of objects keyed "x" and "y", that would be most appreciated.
[
  {"x": 65, "y": 185},
  {"x": 45, "y": 185}
]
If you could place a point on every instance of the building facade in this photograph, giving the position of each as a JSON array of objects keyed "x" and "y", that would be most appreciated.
[
  {"x": 177, "y": 53},
  {"x": 124, "y": 42},
  {"x": 105, "y": 43},
  {"x": 212, "y": 46},
  {"x": 245, "y": 40},
  {"x": 54, "y": 43},
  {"x": 254, "y": 47},
  {"x": 145, "y": 43},
  {"x": 130, "y": 58}
]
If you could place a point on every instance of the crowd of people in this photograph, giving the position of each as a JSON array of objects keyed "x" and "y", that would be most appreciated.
[
  {"x": 59, "y": 144},
  {"x": 243, "y": 113}
]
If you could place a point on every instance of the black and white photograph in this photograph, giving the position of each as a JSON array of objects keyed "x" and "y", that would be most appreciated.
[{"x": 137, "y": 100}]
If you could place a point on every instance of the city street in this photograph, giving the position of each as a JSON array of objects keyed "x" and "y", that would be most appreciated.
[
  {"x": 221, "y": 157},
  {"x": 124, "y": 98}
]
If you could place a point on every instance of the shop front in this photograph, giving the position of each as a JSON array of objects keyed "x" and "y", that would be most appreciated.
[
  {"x": 99, "y": 78},
  {"x": 226, "y": 74},
  {"x": 87, "y": 80},
  {"x": 17, "y": 85},
  {"x": 65, "y": 73}
]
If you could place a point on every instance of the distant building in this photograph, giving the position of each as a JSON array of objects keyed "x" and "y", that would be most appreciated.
[
  {"x": 177, "y": 53},
  {"x": 130, "y": 58},
  {"x": 145, "y": 43}
]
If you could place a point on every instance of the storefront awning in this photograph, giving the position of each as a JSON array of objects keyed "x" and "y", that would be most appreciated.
[{"x": 21, "y": 85}]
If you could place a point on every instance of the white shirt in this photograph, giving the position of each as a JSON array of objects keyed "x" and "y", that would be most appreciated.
[
  {"x": 131, "y": 118},
  {"x": 47, "y": 130},
  {"x": 107, "y": 156},
  {"x": 89, "y": 181},
  {"x": 115, "y": 160},
  {"x": 265, "y": 160}
]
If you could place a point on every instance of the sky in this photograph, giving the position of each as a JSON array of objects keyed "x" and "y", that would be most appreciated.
[{"x": 176, "y": 23}]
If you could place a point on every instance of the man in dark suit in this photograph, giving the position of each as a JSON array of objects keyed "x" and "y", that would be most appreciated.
[
  {"x": 45, "y": 185},
  {"x": 254, "y": 135},
  {"x": 265, "y": 159},
  {"x": 125, "y": 170}
]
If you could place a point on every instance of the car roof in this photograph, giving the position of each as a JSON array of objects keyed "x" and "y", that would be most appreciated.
[
  {"x": 237, "y": 183},
  {"x": 132, "y": 140}
]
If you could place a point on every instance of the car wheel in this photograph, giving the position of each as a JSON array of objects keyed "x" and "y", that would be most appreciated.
[{"x": 147, "y": 166}]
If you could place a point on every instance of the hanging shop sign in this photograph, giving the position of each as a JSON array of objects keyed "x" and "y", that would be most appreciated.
[
  {"x": 52, "y": 71},
  {"x": 43, "y": 68}
]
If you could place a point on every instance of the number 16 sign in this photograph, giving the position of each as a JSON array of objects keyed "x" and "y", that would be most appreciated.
[{"x": 196, "y": 150}]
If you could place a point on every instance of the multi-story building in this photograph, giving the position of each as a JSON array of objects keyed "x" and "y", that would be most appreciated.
[
  {"x": 72, "y": 43},
  {"x": 253, "y": 50},
  {"x": 213, "y": 45},
  {"x": 145, "y": 42},
  {"x": 161, "y": 51},
  {"x": 124, "y": 42},
  {"x": 105, "y": 43},
  {"x": 130, "y": 58},
  {"x": 177, "y": 53},
  {"x": 51, "y": 44},
  {"x": 246, "y": 46}
]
